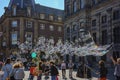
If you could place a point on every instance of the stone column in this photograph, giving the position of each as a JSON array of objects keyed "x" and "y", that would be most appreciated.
[{"x": 21, "y": 30}]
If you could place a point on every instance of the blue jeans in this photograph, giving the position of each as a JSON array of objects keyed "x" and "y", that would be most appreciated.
[{"x": 53, "y": 77}]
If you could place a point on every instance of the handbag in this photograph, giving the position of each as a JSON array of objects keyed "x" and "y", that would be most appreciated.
[{"x": 8, "y": 78}]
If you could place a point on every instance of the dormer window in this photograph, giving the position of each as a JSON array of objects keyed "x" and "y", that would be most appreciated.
[
  {"x": 59, "y": 18},
  {"x": 42, "y": 16},
  {"x": 28, "y": 11},
  {"x": 51, "y": 17},
  {"x": 14, "y": 10}
]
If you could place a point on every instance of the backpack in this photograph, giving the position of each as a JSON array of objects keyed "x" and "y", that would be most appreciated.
[{"x": 19, "y": 74}]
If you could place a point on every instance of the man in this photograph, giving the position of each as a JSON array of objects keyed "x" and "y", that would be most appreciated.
[
  {"x": 70, "y": 66},
  {"x": 63, "y": 68},
  {"x": 54, "y": 71}
]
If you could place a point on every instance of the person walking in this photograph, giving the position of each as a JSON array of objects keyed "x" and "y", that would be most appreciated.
[
  {"x": 117, "y": 68},
  {"x": 54, "y": 71},
  {"x": 40, "y": 71},
  {"x": 70, "y": 66},
  {"x": 102, "y": 70},
  {"x": 32, "y": 70},
  {"x": 63, "y": 68},
  {"x": 7, "y": 68},
  {"x": 17, "y": 72}
]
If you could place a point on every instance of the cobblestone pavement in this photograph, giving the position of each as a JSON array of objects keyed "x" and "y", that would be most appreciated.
[{"x": 60, "y": 77}]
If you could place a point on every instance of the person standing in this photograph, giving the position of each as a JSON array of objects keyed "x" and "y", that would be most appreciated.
[
  {"x": 17, "y": 72},
  {"x": 70, "y": 66},
  {"x": 40, "y": 71},
  {"x": 117, "y": 68},
  {"x": 7, "y": 68},
  {"x": 102, "y": 70},
  {"x": 63, "y": 68},
  {"x": 54, "y": 71}
]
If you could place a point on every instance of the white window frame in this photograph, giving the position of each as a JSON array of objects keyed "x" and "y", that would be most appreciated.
[
  {"x": 14, "y": 23},
  {"x": 59, "y": 28},
  {"x": 29, "y": 24},
  {"x": 28, "y": 36},
  {"x": 14, "y": 38},
  {"x": 59, "y": 18},
  {"x": 42, "y": 26},
  {"x": 42, "y": 16},
  {"x": 14, "y": 11},
  {"x": 51, "y": 28},
  {"x": 51, "y": 17}
]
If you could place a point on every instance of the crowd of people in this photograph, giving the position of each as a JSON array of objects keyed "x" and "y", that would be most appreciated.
[{"x": 15, "y": 71}]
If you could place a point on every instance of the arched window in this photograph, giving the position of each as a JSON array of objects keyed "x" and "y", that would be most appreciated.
[{"x": 68, "y": 29}]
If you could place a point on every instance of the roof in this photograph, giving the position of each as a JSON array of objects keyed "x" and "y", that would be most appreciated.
[{"x": 47, "y": 10}]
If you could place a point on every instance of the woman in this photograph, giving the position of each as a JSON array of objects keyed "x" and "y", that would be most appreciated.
[
  {"x": 7, "y": 68},
  {"x": 102, "y": 70},
  {"x": 17, "y": 72}
]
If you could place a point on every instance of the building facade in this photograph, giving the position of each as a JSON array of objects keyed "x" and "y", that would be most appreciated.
[
  {"x": 100, "y": 17},
  {"x": 24, "y": 20}
]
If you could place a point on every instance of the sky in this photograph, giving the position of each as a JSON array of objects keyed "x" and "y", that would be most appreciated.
[{"x": 59, "y": 4}]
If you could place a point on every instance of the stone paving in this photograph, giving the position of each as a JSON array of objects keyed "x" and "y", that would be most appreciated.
[{"x": 60, "y": 77}]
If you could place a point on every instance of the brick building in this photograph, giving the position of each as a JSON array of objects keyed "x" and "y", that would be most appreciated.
[{"x": 24, "y": 20}]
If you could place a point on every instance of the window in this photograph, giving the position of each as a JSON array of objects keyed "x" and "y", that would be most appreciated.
[
  {"x": 59, "y": 18},
  {"x": 14, "y": 38},
  {"x": 74, "y": 6},
  {"x": 59, "y": 28},
  {"x": 74, "y": 38},
  {"x": 29, "y": 24},
  {"x": 14, "y": 23},
  {"x": 104, "y": 19},
  {"x": 42, "y": 16},
  {"x": 104, "y": 37},
  {"x": 29, "y": 11},
  {"x": 42, "y": 26},
  {"x": 94, "y": 22},
  {"x": 51, "y": 17},
  {"x": 74, "y": 27},
  {"x": 94, "y": 37},
  {"x": 116, "y": 15},
  {"x": 51, "y": 27},
  {"x": 116, "y": 32},
  {"x": 68, "y": 9},
  {"x": 14, "y": 11},
  {"x": 82, "y": 3},
  {"x": 94, "y": 2},
  {"x": 28, "y": 36},
  {"x": 68, "y": 29}
]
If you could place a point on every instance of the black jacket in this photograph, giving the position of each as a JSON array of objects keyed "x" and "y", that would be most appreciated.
[{"x": 54, "y": 71}]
